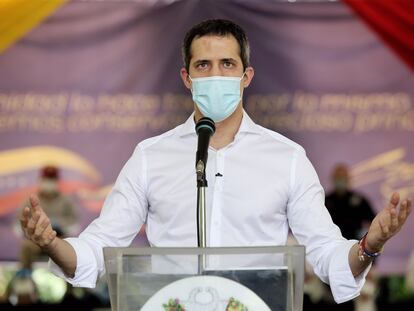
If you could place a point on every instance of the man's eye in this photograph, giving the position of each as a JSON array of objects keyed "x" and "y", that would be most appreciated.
[
  {"x": 202, "y": 65},
  {"x": 228, "y": 64}
]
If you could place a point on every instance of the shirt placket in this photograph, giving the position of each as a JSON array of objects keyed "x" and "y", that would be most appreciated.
[{"x": 216, "y": 208}]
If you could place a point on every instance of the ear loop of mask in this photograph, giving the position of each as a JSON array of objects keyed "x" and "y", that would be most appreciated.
[{"x": 189, "y": 77}]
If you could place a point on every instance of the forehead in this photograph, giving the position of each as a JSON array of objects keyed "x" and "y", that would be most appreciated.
[{"x": 213, "y": 46}]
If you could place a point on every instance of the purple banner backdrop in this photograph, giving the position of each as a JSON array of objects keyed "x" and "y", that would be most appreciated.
[{"x": 83, "y": 88}]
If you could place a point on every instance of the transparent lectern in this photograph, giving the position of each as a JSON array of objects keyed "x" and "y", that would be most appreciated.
[{"x": 192, "y": 279}]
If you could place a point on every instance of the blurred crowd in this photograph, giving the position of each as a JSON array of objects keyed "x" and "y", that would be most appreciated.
[
  {"x": 352, "y": 213},
  {"x": 27, "y": 286}
]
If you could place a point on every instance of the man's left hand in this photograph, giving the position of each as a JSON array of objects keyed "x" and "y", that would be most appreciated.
[{"x": 387, "y": 223}]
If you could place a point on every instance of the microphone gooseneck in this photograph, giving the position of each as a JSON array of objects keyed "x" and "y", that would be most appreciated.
[{"x": 205, "y": 128}]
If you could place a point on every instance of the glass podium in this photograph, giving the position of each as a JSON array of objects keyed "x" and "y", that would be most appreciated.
[{"x": 192, "y": 279}]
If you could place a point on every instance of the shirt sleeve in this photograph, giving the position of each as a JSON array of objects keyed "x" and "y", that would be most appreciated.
[
  {"x": 326, "y": 250},
  {"x": 122, "y": 215},
  {"x": 86, "y": 273}
]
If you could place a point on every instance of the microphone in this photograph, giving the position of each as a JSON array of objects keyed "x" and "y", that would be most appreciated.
[{"x": 205, "y": 128}]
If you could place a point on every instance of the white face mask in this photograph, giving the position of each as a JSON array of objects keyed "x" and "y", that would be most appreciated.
[
  {"x": 48, "y": 186},
  {"x": 216, "y": 97}
]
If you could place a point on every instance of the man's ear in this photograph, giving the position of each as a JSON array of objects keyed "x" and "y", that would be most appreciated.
[
  {"x": 248, "y": 76},
  {"x": 185, "y": 77}
]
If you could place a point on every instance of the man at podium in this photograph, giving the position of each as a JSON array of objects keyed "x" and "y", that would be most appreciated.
[{"x": 260, "y": 184}]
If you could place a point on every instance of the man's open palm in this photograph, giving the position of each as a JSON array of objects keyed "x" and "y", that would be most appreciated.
[
  {"x": 35, "y": 224},
  {"x": 388, "y": 222}
]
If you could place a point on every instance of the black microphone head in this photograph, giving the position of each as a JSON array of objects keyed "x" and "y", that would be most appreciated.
[{"x": 207, "y": 124}]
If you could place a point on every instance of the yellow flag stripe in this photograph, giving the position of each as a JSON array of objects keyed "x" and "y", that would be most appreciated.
[
  {"x": 379, "y": 161},
  {"x": 18, "y": 17},
  {"x": 30, "y": 158}
]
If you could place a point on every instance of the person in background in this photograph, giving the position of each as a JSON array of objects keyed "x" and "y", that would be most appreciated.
[
  {"x": 63, "y": 219},
  {"x": 353, "y": 214},
  {"x": 22, "y": 290},
  {"x": 349, "y": 210}
]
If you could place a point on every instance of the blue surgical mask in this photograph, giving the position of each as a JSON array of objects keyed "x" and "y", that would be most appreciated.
[{"x": 216, "y": 97}]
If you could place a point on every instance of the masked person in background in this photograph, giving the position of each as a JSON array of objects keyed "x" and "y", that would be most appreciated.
[
  {"x": 349, "y": 210},
  {"x": 62, "y": 218},
  {"x": 260, "y": 184}
]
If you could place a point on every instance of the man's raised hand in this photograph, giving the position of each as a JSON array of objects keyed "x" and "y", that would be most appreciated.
[
  {"x": 388, "y": 222},
  {"x": 36, "y": 225}
]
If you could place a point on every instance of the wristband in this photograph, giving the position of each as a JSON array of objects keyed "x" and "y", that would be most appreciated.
[{"x": 362, "y": 251}]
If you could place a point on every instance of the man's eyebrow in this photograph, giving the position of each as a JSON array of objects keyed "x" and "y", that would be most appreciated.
[
  {"x": 201, "y": 61},
  {"x": 228, "y": 60}
]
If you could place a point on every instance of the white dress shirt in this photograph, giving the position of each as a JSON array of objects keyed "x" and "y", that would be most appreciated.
[{"x": 267, "y": 185}]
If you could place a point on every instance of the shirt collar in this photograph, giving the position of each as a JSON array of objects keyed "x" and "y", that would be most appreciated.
[
  {"x": 188, "y": 127},
  {"x": 247, "y": 126}
]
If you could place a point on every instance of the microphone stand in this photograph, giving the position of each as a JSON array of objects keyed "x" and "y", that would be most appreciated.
[
  {"x": 201, "y": 204},
  {"x": 205, "y": 128},
  {"x": 201, "y": 213}
]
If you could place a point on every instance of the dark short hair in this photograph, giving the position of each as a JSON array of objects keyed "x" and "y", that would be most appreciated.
[
  {"x": 219, "y": 27},
  {"x": 50, "y": 172}
]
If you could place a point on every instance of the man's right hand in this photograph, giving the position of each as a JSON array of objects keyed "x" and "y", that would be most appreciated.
[{"x": 36, "y": 225}]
